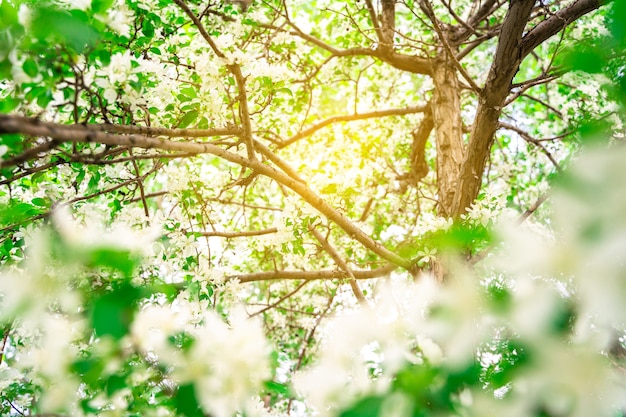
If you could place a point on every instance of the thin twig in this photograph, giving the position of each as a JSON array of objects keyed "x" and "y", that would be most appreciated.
[
  {"x": 235, "y": 70},
  {"x": 230, "y": 235},
  {"x": 449, "y": 51},
  {"x": 530, "y": 210},
  {"x": 5, "y": 337},
  {"x": 142, "y": 191},
  {"x": 341, "y": 263},
  {"x": 280, "y": 300},
  {"x": 524, "y": 135}
]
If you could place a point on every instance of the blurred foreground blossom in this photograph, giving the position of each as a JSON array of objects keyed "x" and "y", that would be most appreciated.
[
  {"x": 591, "y": 220},
  {"x": 94, "y": 235},
  {"x": 542, "y": 319},
  {"x": 226, "y": 364}
]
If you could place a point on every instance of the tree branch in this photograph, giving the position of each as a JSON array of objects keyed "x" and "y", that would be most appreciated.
[
  {"x": 388, "y": 23},
  {"x": 235, "y": 69},
  {"x": 410, "y": 63},
  {"x": 352, "y": 117},
  {"x": 5, "y": 336},
  {"x": 18, "y": 124},
  {"x": 159, "y": 131},
  {"x": 313, "y": 275},
  {"x": 449, "y": 52},
  {"x": 498, "y": 85},
  {"x": 84, "y": 197},
  {"x": 552, "y": 25},
  {"x": 374, "y": 19},
  {"x": 280, "y": 300},
  {"x": 419, "y": 166},
  {"x": 487, "y": 8},
  {"x": 230, "y": 235},
  {"x": 528, "y": 212},
  {"x": 341, "y": 263},
  {"x": 30, "y": 154},
  {"x": 524, "y": 135}
]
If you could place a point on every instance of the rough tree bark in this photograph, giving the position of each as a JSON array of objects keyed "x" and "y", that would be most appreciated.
[
  {"x": 511, "y": 50},
  {"x": 446, "y": 111},
  {"x": 459, "y": 170},
  {"x": 419, "y": 166}
]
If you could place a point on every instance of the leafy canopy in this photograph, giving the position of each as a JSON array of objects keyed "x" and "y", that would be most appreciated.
[{"x": 312, "y": 208}]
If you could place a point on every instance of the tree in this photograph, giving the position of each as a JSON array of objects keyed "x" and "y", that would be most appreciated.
[{"x": 274, "y": 155}]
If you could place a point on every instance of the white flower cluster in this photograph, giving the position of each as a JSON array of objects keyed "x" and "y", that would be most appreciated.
[
  {"x": 428, "y": 222},
  {"x": 50, "y": 356},
  {"x": 38, "y": 298},
  {"x": 446, "y": 325},
  {"x": 388, "y": 335},
  {"x": 32, "y": 287},
  {"x": 120, "y": 235},
  {"x": 116, "y": 75},
  {"x": 226, "y": 364},
  {"x": 592, "y": 223},
  {"x": 484, "y": 212},
  {"x": 118, "y": 17}
]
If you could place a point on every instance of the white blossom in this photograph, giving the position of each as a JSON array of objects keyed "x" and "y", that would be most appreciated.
[
  {"x": 119, "y": 18},
  {"x": 25, "y": 16},
  {"x": 94, "y": 235}
]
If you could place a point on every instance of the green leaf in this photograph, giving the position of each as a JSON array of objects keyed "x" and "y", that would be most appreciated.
[
  {"x": 38, "y": 201},
  {"x": 277, "y": 388},
  {"x": 8, "y": 13},
  {"x": 8, "y": 104},
  {"x": 18, "y": 212},
  {"x": 12, "y": 141},
  {"x": 169, "y": 290},
  {"x": 589, "y": 60},
  {"x": 94, "y": 180},
  {"x": 113, "y": 312},
  {"x": 44, "y": 99},
  {"x": 617, "y": 24},
  {"x": 117, "y": 259},
  {"x": 71, "y": 28},
  {"x": 189, "y": 92},
  {"x": 458, "y": 379},
  {"x": 115, "y": 383},
  {"x": 188, "y": 118},
  {"x": 30, "y": 67},
  {"x": 186, "y": 402},
  {"x": 182, "y": 341},
  {"x": 513, "y": 357},
  {"x": 415, "y": 379},
  {"x": 564, "y": 318},
  {"x": 499, "y": 297},
  {"x": 7, "y": 245},
  {"x": 101, "y": 6},
  {"x": 104, "y": 56},
  {"x": 35, "y": 92},
  {"x": 367, "y": 407},
  {"x": 5, "y": 65},
  {"x": 89, "y": 369},
  {"x": 594, "y": 131},
  {"x": 147, "y": 28},
  {"x": 285, "y": 90}
]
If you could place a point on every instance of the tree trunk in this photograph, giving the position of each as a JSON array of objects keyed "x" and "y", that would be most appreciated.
[
  {"x": 505, "y": 65},
  {"x": 446, "y": 111}
]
